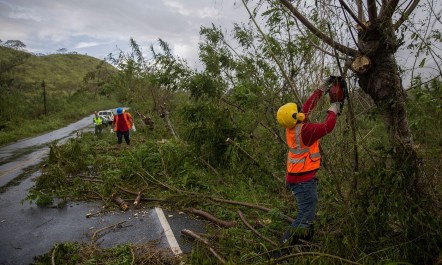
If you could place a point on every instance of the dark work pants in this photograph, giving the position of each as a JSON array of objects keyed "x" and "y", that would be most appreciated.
[{"x": 126, "y": 135}]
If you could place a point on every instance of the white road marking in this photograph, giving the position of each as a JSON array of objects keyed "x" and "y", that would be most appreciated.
[{"x": 168, "y": 232}]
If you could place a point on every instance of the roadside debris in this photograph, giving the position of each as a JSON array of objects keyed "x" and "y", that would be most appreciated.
[
  {"x": 208, "y": 216},
  {"x": 206, "y": 242},
  {"x": 120, "y": 202}
]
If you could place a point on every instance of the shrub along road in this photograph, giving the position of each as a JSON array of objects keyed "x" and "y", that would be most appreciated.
[{"x": 28, "y": 230}]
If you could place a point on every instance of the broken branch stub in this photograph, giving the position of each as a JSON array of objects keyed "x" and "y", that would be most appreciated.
[
  {"x": 138, "y": 199},
  {"x": 120, "y": 202},
  {"x": 165, "y": 115},
  {"x": 360, "y": 64}
]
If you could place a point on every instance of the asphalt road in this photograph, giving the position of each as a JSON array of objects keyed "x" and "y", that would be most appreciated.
[{"x": 27, "y": 230}]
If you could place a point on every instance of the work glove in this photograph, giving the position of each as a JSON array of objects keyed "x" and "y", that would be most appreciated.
[
  {"x": 326, "y": 84},
  {"x": 335, "y": 107}
]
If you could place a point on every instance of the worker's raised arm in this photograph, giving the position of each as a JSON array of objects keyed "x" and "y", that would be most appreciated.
[{"x": 310, "y": 104}]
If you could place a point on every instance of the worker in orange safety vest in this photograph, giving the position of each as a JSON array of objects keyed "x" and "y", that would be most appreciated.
[
  {"x": 122, "y": 123},
  {"x": 304, "y": 158}
]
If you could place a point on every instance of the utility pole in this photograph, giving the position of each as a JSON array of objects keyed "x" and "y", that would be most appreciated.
[{"x": 43, "y": 85}]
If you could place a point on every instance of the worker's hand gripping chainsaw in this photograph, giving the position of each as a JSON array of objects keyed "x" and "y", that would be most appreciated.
[{"x": 338, "y": 91}]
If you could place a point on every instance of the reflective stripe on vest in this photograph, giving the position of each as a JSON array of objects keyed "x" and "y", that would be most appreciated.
[
  {"x": 98, "y": 121},
  {"x": 301, "y": 158}
]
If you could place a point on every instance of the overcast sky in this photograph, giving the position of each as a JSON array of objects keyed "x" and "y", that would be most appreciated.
[{"x": 100, "y": 27}]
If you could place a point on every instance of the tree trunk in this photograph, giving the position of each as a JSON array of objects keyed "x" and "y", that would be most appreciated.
[{"x": 384, "y": 85}]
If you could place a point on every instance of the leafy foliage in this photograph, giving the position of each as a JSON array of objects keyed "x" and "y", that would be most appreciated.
[{"x": 370, "y": 211}]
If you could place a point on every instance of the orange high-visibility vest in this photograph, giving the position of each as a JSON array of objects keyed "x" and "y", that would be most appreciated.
[
  {"x": 126, "y": 119},
  {"x": 301, "y": 158}
]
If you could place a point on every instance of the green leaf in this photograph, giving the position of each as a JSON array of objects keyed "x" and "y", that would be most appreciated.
[{"x": 422, "y": 62}]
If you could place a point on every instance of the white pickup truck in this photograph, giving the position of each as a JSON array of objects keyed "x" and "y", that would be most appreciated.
[{"x": 107, "y": 116}]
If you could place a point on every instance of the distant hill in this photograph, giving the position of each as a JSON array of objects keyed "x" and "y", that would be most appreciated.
[{"x": 59, "y": 71}]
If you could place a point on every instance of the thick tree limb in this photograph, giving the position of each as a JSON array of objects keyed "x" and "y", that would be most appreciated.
[
  {"x": 347, "y": 8},
  {"x": 372, "y": 10},
  {"x": 120, "y": 202},
  {"x": 208, "y": 216},
  {"x": 361, "y": 15},
  {"x": 406, "y": 14},
  {"x": 316, "y": 31},
  {"x": 388, "y": 9},
  {"x": 254, "y": 230},
  {"x": 204, "y": 241}
]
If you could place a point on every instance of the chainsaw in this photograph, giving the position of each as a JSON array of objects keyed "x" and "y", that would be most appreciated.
[{"x": 338, "y": 91}]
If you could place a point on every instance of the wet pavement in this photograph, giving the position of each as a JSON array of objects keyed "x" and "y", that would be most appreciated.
[
  {"x": 27, "y": 230},
  {"x": 16, "y": 157}
]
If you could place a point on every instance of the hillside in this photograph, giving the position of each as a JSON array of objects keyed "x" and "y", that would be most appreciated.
[
  {"x": 59, "y": 71},
  {"x": 67, "y": 96}
]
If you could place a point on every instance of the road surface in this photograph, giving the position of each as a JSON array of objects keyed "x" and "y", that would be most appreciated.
[{"x": 27, "y": 230}]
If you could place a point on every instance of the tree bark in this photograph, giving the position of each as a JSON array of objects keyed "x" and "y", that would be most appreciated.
[{"x": 384, "y": 85}]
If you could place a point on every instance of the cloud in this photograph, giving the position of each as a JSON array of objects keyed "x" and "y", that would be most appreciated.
[
  {"x": 82, "y": 45},
  {"x": 98, "y": 27}
]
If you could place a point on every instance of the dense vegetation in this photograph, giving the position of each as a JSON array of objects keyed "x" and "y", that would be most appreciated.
[
  {"x": 216, "y": 144},
  {"x": 43, "y": 93},
  {"x": 187, "y": 162}
]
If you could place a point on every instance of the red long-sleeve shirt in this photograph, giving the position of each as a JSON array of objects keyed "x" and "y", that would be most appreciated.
[{"x": 312, "y": 132}]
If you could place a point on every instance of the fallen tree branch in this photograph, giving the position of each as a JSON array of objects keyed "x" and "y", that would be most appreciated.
[
  {"x": 254, "y": 230},
  {"x": 126, "y": 190},
  {"x": 133, "y": 255},
  {"x": 319, "y": 254},
  {"x": 120, "y": 202},
  {"x": 208, "y": 216},
  {"x": 156, "y": 181},
  {"x": 251, "y": 205},
  {"x": 53, "y": 254},
  {"x": 98, "y": 194},
  {"x": 104, "y": 228},
  {"x": 205, "y": 241}
]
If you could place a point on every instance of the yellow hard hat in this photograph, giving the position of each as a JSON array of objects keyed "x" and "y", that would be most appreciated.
[{"x": 288, "y": 115}]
